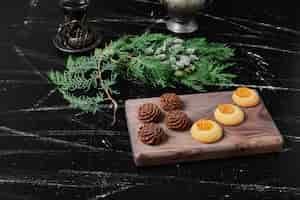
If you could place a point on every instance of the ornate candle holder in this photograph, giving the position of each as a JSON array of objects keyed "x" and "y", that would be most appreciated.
[
  {"x": 74, "y": 35},
  {"x": 182, "y": 14}
]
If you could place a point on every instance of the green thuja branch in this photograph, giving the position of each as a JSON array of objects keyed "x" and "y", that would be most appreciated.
[
  {"x": 150, "y": 71},
  {"x": 156, "y": 60},
  {"x": 84, "y": 85}
]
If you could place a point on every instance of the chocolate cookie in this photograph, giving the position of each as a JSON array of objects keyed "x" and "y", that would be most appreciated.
[
  {"x": 151, "y": 134},
  {"x": 178, "y": 120},
  {"x": 170, "y": 101},
  {"x": 149, "y": 112}
]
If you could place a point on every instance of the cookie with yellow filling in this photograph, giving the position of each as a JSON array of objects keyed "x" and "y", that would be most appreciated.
[
  {"x": 206, "y": 131},
  {"x": 245, "y": 97},
  {"x": 229, "y": 114}
]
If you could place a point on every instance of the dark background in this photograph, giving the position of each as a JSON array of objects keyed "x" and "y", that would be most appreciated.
[{"x": 50, "y": 151}]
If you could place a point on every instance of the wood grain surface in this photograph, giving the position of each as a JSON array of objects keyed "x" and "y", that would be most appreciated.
[{"x": 257, "y": 134}]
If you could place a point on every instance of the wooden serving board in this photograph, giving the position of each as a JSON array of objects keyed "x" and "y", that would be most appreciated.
[{"x": 257, "y": 134}]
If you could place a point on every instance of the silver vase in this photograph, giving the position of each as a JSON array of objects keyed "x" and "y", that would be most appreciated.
[{"x": 182, "y": 14}]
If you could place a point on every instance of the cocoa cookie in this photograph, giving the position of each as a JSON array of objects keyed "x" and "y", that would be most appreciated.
[
  {"x": 151, "y": 134},
  {"x": 149, "y": 112},
  {"x": 178, "y": 120},
  {"x": 170, "y": 101}
]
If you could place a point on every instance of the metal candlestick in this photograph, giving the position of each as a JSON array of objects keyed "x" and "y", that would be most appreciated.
[
  {"x": 74, "y": 35},
  {"x": 182, "y": 14}
]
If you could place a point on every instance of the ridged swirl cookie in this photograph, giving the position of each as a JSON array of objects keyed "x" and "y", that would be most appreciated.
[
  {"x": 149, "y": 112},
  {"x": 178, "y": 120},
  {"x": 151, "y": 134},
  {"x": 170, "y": 101}
]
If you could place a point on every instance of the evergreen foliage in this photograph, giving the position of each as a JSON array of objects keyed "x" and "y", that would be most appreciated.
[{"x": 156, "y": 60}]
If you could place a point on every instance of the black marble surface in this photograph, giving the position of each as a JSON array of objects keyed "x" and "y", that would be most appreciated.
[{"x": 50, "y": 151}]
